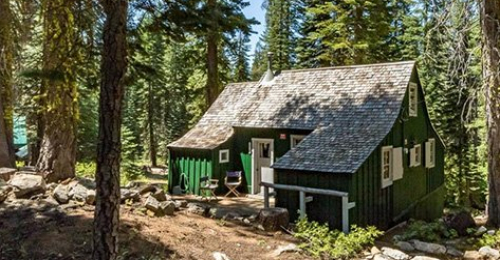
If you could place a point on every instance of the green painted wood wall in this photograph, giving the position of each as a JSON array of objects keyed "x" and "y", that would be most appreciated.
[
  {"x": 191, "y": 162},
  {"x": 420, "y": 194}
]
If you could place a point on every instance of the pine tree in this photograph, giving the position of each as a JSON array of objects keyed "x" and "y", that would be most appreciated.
[{"x": 239, "y": 57}]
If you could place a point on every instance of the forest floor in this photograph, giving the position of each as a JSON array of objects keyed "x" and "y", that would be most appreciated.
[{"x": 43, "y": 230}]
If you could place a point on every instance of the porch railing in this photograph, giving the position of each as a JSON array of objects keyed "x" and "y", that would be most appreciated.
[{"x": 346, "y": 205}]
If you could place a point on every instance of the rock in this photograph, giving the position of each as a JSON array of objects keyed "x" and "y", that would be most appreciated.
[
  {"x": 460, "y": 221},
  {"x": 180, "y": 204},
  {"x": 405, "y": 246},
  {"x": 220, "y": 256},
  {"x": 375, "y": 251},
  {"x": 90, "y": 199},
  {"x": 480, "y": 231},
  {"x": 78, "y": 192},
  {"x": 167, "y": 208},
  {"x": 252, "y": 218},
  {"x": 61, "y": 193},
  {"x": 6, "y": 173},
  {"x": 491, "y": 232},
  {"x": 273, "y": 219},
  {"x": 128, "y": 194},
  {"x": 430, "y": 248},
  {"x": 420, "y": 257},
  {"x": 489, "y": 252},
  {"x": 246, "y": 221},
  {"x": 152, "y": 204},
  {"x": 288, "y": 248},
  {"x": 454, "y": 252},
  {"x": 27, "y": 169},
  {"x": 4, "y": 190},
  {"x": 198, "y": 209},
  {"x": 472, "y": 255},
  {"x": 381, "y": 257},
  {"x": 394, "y": 253},
  {"x": 160, "y": 195},
  {"x": 27, "y": 185}
]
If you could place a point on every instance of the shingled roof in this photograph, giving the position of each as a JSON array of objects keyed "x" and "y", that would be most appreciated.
[{"x": 349, "y": 109}]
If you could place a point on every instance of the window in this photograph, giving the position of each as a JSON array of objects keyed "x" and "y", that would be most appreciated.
[
  {"x": 224, "y": 156},
  {"x": 430, "y": 153},
  {"x": 265, "y": 150},
  {"x": 386, "y": 166},
  {"x": 416, "y": 156},
  {"x": 413, "y": 99},
  {"x": 295, "y": 140}
]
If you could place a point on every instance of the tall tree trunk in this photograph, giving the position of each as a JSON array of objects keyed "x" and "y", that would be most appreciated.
[
  {"x": 5, "y": 160},
  {"x": 490, "y": 21},
  {"x": 6, "y": 89},
  {"x": 58, "y": 148},
  {"x": 113, "y": 69},
  {"x": 212, "y": 88},
  {"x": 152, "y": 141}
]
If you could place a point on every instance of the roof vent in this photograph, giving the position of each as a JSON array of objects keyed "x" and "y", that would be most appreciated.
[{"x": 269, "y": 76}]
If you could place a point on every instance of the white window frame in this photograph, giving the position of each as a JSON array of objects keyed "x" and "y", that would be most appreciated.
[
  {"x": 221, "y": 152},
  {"x": 430, "y": 153},
  {"x": 416, "y": 155},
  {"x": 295, "y": 137},
  {"x": 413, "y": 102},
  {"x": 386, "y": 182}
]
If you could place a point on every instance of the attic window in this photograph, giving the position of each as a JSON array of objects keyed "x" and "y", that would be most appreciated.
[
  {"x": 387, "y": 167},
  {"x": 224, "y": 156},
  {"x": 413, "y": 99},
  {"x": 295, "y": 140},
  {"x": 416, "y": 156},
  {"x": 430, "y": 153}
]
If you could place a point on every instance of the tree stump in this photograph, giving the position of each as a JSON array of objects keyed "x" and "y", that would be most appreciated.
[{"x": 272, "y": 219}]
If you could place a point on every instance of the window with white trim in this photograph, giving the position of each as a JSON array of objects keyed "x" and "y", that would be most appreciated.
[
  {"x": 295, "y": 140},
  {"x": 387, "y": 166},
  {"x": 413, "y": 99},
  {"x": 430, "y": 153},
  {"x": 416, "y": 156},
  {"x": 224, "y": 156}
]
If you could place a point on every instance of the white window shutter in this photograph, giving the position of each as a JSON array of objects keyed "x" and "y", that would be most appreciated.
[
  {"x": 428, "y": 162},
  {"x": 397, "y": 163},
  {"x": 412, "y": 157}
]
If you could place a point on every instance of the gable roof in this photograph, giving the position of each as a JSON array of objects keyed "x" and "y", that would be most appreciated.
[{"x": 349, "y": 109}]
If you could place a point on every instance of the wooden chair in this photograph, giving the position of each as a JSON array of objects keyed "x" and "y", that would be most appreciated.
[
  {"x": 232, "y": 182},
  {"x": 207, "y": 187}
]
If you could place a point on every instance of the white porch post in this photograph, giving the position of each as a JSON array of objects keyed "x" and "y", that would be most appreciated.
[{"x": 346, "y": 206}]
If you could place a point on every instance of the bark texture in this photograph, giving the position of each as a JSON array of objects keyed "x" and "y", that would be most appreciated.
[
  {"x": 59, "y": 93},
  {"x": 113, "y": 68},
  {"x": 6, "y": 86},
  {"x": 212, "y": 88},
  {"x": 490, "y": 19}
]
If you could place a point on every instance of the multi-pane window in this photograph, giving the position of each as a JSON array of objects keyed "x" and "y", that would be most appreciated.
[
  {"x": 416, "y": 156},
  {"x": 413, "y": 99},
  {"x": 224, "y": 156},
  {"x": 386, "y": 166}
]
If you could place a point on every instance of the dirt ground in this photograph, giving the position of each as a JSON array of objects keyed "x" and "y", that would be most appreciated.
[{"x": 42, "y": 230}]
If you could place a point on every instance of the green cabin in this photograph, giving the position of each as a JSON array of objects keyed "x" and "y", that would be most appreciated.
[{"x": 360, "y": 130}]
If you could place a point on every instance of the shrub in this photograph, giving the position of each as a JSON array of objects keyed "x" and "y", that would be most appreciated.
[
  {"x": 323, "y": 242},
  {"x": 490, "y": 240},
  {"x": 428, "y": 231},
  {"x": 86, "y": 169}
]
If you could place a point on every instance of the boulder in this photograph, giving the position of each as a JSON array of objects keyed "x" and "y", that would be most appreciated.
[
  {"x": 28, "y": 169},
  {"x": 405, "y": 246},
  {"x": 152, "y": 204},
  {"x": 375, "y": 251},
  {"x": 273, "y": 219},
  {"x": 489, "y": 252},
  {"x": 90, "y": 199},
  {"x": 197, "y": 208},
  {"x": 160, "y": 195},
  {"x": 4, "y": 190},
  {"x": 61, "y": 193},
  {"x": 78, "y": 192},
  {"x": 394, "y": 254},
  {"x": 6, "y": 173},
  {"x": 128, "y": 194},
  {"x": 472, "y": 255},
  {"x": 430, "y": 248},
  {"x": 381, "y": 257},
  {"x": 454, "y": 252},
  {"x": 26, "y": 185},
  {"x": 167, "y": 208},
  {"x": 288, "y": 248},
  {"x": 420, "y": 257},
  {"x": 460, "y": 221}
]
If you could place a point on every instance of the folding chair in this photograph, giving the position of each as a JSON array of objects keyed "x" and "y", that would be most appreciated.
[
  {"x": 232, "y": 182},
  {"x": 207, "y": 187}
]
